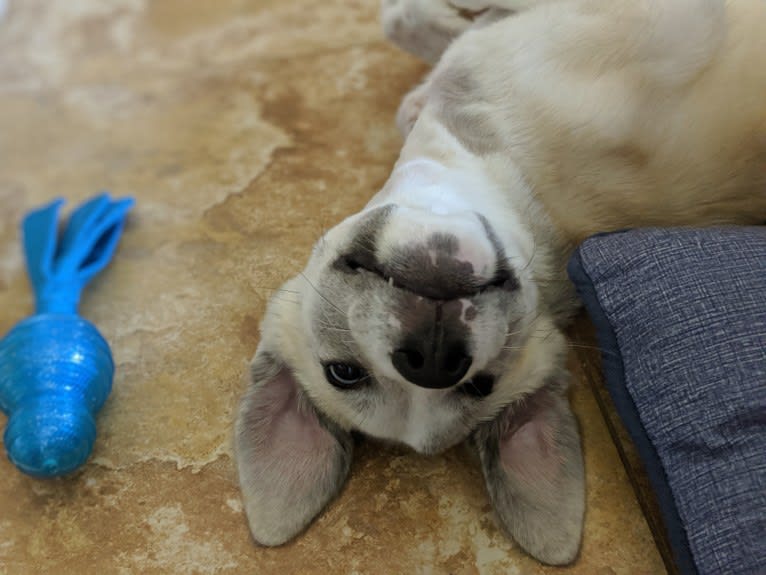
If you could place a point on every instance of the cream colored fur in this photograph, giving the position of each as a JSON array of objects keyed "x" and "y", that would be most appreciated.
[
  {"x": 647, "y": 112},
  {"x": 551, "y": 120}
]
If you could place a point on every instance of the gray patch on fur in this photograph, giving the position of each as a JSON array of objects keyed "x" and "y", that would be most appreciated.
[
  {"x": 457, "y": 101},
  {"x": 431, "y": 269}
]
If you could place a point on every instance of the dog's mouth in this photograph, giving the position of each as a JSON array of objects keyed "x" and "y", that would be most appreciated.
[
  {"x": 434, "y": 284},
  {"x": 441, "y": 257}
]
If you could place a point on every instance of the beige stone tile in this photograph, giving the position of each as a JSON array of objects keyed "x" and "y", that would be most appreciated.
[
  {"x": 400, "y": 513},
  {"x": 244, "y": 129}
]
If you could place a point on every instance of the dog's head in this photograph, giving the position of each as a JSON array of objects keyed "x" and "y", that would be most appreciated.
[
  {"x": 407, "y": 323},
  {"x": 418, "y": 325}
]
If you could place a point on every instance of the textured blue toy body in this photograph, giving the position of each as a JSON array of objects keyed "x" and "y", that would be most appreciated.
[{"x": 55, "y": 367}]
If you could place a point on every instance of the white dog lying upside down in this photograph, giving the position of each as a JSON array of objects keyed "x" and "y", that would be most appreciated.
[{"x": 433, "y": 315}]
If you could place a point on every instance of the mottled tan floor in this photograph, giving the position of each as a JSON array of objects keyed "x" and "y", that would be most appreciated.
[{"x": 244, "y": 128}]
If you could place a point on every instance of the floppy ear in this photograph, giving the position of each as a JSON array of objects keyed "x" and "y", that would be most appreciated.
[
  {"x": 532, "y": 463},
  {"x": 292, "y": 461}
]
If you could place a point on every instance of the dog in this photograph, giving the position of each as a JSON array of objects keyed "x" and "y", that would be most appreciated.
[{"x": 434, "y": 315}]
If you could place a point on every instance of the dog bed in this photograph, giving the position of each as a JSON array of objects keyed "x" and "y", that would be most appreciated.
[{"x": 680, "y": 316}]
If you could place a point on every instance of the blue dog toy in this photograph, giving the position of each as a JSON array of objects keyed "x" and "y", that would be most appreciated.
[{"x": 55, "y": 367}]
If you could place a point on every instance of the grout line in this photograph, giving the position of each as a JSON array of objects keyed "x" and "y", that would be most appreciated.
[{"x": 657, "y": 528}]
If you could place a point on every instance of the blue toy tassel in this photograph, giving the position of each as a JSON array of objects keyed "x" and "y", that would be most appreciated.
[{"x": 56, "y": 369}]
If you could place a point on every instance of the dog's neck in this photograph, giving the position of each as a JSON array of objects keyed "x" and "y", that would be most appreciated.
[
  {"x": 436, "y": 173},
  {"x": 427, "y": 184}
]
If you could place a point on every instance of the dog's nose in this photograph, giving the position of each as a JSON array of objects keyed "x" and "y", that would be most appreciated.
[{"x": 432, "y": 364}]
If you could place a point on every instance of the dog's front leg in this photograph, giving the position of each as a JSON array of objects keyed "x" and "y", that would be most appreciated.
[
  {"x": 426, "y": 28},
  {"x": 422, "y": 27},
  {"x": 411, "y": 106}
]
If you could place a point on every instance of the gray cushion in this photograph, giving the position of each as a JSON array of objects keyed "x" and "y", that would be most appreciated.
[{"x": 681, "y": 319}]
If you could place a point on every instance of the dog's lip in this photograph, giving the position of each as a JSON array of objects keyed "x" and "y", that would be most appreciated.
[{"x": 354, "y": 263}]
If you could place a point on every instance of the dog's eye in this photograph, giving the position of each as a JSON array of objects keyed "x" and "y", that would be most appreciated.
[
  {"x": 480, "y": 386},
  {"x": 344, "y": 375}
]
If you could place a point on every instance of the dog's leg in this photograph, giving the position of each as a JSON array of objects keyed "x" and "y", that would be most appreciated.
[
  {"x": 509, "y": 6},
  {"x": 426, "y": 28},
  {"x": 412, "y": 104}
]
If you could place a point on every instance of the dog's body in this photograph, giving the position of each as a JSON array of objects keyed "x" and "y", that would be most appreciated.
[{"x": 433, "y": 315}]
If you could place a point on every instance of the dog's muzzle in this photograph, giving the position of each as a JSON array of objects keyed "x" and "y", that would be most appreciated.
[
  {"x": 440, "y": 266},
  {"x": 434, "y": 354}
]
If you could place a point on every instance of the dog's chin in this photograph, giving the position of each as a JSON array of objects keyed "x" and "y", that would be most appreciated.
[
  {"x": 430, "y": 450},
  {"x": 439, "y": 446},
  {"x": 424, "y": 447}
]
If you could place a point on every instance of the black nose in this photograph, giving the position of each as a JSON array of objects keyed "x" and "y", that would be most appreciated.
[{"x": 432, "y": 364}]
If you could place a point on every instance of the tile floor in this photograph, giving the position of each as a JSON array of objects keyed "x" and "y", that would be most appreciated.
[{"x": 244, "y": 129}]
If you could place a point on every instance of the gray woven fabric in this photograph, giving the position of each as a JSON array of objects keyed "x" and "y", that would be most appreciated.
[{"x": 688, "y": 309}]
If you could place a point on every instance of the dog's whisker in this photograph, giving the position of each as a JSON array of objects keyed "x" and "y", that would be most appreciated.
[
  {"x": 532, "y": 256},
  {"x": 330, "y": 325},
  {"x": 510, "y": 333},
  {"x": 277, "y": 290},
  {"x": 576, "y": 344},
  {"x": 592, "y": 348},
  {"x": 320, "y": 294},
  {"x": 513, "y": 347},
  {"x": 285, "y": 299}
]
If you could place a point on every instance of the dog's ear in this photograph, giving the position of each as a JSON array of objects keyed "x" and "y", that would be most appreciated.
[
  {"x": 292, "y": 461},
  {"x": 533, "y": 467}
]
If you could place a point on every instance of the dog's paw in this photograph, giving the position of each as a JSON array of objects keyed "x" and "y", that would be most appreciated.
[
  {"x": 474, "y": 8},
  {"x": 410, "y": 108},
  {"x": 423, "y": 27}
]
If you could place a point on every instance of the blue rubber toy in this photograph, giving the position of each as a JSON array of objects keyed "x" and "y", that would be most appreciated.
[{"x": 55, "y": 367}]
